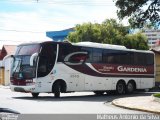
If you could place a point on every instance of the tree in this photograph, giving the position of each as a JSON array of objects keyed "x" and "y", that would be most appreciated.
[
  {"x": 109, "y": 32},
  {"x": 139, "y": 11},
  {"x": 86, "y": 32},
  {"x": 136, "y": 41}
]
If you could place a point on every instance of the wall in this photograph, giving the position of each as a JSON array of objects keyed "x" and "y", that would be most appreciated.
[
  {"x": 2, "y": 82},
  {"x": 0, "y": 63},
  {"x": 157, "y": 67},
  {"x": 7, "y": 64}
]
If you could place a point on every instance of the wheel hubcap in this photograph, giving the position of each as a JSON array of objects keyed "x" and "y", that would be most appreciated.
[
  {"x": 120, "y": 88},
  {"x": 130, "y": 87}
]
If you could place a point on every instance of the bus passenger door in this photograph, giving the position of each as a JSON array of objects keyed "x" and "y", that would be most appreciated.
[
  {"x": 47, "y": 59},
  {"x": 44, "y": 81}
]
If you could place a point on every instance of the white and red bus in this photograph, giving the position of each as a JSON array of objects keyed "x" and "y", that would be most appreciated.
[{"x": 60, "y": 67}]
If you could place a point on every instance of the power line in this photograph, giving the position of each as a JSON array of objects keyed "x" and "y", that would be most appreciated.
[
  {"x": 13, "y": 30},
  {"x": 99, "y": 3},
  {"x": 22, "y": 41},
  {"x": 11, "y": 41},
  {"x": 69, "y": 3}
]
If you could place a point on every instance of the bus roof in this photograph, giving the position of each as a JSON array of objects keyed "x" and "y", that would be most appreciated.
[
  {"x": 94, "y": 45},
  {"x": 109, "y": 46},
  {"x": 99, "y": 45}
]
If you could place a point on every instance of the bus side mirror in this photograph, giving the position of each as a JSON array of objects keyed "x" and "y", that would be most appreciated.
[
  {"x": 32, "y": 58},
  {"x": 8, "y": 57}
]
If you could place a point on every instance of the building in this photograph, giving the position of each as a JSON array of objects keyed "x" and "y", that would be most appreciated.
[
  {"x": 5, "y": 63},
  {"x": 59, "y": 35},
  {"x": 156, "y": 49},
  {"x": 1, "y": 71},
  {"x": 153, "y": 36},
  {"x": 7, "y": 50},
  {"x": 0, "y": 58}
]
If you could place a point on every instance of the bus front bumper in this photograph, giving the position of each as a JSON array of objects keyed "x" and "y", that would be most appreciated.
[{"x": 30, "y": 88}]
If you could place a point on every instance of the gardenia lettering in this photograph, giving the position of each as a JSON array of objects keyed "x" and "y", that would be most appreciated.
[{"x": 131, "y": 69}]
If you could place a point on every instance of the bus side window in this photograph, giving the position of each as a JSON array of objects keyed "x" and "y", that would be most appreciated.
[
  {"x": 42, "y": 68},
  {"x": 139, "y": 59},
  {"x": 89, "y": 54},
  {"x": 97, "y": 55},
  {"x": 144, "y": 59},
  {"x": 126, "y": 57},
  {"x": 108, "y": 57},
  {"x": 117, "y": 57},
  {"x": 150, "y": 59}
]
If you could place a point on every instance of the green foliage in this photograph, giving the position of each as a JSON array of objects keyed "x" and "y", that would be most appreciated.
[
  {"x": 156, "y": 95},
  {"x": 109, "y": 32},
  {"x": 140, "y": 11},
  {"x": 136, "y": 41}
]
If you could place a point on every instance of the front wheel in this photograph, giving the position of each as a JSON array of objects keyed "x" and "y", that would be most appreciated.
[
  {"x": 35, "y": 95},
  {"x": 57, "y": 89}
]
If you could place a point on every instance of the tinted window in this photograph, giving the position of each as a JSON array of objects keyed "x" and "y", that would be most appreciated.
[
  {"x": 74, "y": 54},
  {"x": 78, "y": 57},
  {"x": 117, "y": 57},
  {"x": 150, "y": 59},
  {"x": 66, "y": 49},
  {"x": 89, "y": 54},
  {"x": 143, "y": 59},
  {"x": 28, "y": 49},
  {"x": 107, "y": 56},
  {"x": 97, "y": 55},
  {"x": 47, "y": 59}
]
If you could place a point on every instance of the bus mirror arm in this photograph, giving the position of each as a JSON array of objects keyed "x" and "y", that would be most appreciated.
[
  {"x": 32, "y": 58},
  {"x": 8, "y": 56}
]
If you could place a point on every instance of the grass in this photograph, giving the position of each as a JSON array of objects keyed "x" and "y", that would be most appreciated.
[{"x": 156, "y": 95}]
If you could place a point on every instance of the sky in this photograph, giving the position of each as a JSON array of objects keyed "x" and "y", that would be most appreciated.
[{"x": 28, "y": 20}]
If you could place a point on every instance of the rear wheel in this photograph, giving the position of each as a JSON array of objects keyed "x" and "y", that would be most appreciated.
[
  {"x": 120, "y": 88},
  {"x": 57, "y": 89},
  {"x": 130, "y": 87},
  {"x": 35, "y": 95}
]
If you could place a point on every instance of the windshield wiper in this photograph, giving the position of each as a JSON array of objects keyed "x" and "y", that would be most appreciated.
[{"x": 17, "y": 67}]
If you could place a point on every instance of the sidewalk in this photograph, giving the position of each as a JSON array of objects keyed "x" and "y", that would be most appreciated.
[
  {"x": 146, "y": 104},
  {"x": 4, "y": 87}
]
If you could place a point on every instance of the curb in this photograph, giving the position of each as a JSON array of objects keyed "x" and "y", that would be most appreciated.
[
  {"x": 115, "y": 102},
  {"x": 156, "y": 99}
]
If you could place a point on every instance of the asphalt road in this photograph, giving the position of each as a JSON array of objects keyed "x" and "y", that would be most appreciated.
[{"x": 69, "y": 103}]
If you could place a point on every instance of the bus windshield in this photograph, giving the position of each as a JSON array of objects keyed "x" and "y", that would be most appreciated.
[
  {"x": 42, "y": 66},
  {"x": 28, "y": 49},
  {"x": 21, "y": 68}
]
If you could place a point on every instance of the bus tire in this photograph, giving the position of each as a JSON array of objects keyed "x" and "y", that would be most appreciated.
[
  {"x": 99, "y": 92},
  {"x": 35, "y": 95},
  {"x": 130, "y": 87},
  {"x": 57, "y": 89},
  {"x": 120, "y": 88}
]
